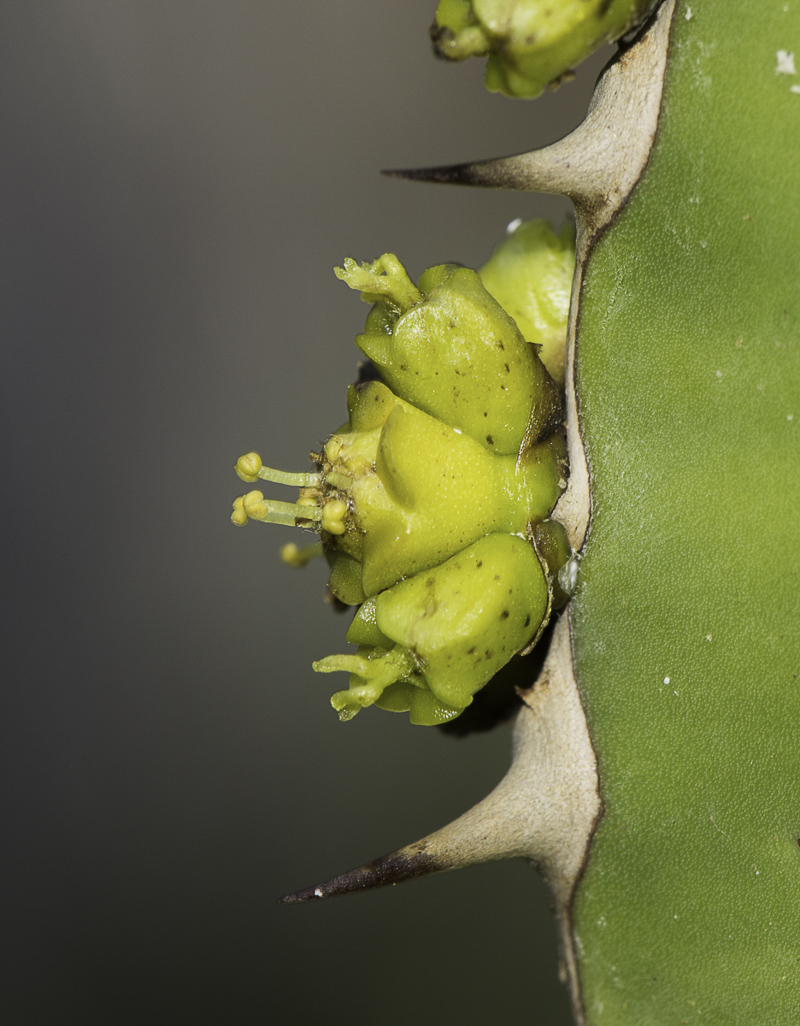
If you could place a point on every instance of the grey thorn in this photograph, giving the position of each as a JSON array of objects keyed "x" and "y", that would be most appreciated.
[
  {"x": 483, "y": 834},
  {"x": 408, "y": 863},
  {"x": 543, "y": 810},
  {"x": 597, "y": 165},
  {"x": 499, "y": 173}
]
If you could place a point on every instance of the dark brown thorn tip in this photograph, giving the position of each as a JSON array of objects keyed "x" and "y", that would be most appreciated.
[
  {"x": 501, "y": 173},
  {"x": 405, "y": 864}
]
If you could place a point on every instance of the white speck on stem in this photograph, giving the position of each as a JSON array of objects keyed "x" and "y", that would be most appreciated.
[
  {"x": 688, "y": 14},
  {"x": 785, "y": 66},
  {"x": 795, "y": 89},
  {"x": 789, "y": 416},
  {"x": 666, "y": 680},
  {"x": 719, "y": 374},
  {"x": 512, "y": 226},
  {"x": 568, "y": 575}
]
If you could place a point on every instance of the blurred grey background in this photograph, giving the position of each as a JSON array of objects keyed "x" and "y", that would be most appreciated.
[{"x": 177, "y": 180}]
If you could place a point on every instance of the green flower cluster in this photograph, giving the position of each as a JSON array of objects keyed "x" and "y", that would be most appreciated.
[
  {"x": 432, "y": 501},
  {"x": 531, "y": 45}
]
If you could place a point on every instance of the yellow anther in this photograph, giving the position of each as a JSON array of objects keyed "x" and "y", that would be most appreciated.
[
  {"x": 254, "y": 505},
  {"x": 293, "y": 555},
  {"x": 333, "y": 514},
  {"x": 306, "y": 500},
  {"x": 239, "y": 517},
  {"x": 248, "y": 466},
  {"x": 290, "y": 554}
]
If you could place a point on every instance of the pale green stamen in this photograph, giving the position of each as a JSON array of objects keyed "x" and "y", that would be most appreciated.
[
  {"x": 283, "y": 477},
  {"x": 254, "y": 506},
  {"x": 340, "y": 481},
  {"x": 250, "y": 468},
  {"x": 271, "y": 512}
]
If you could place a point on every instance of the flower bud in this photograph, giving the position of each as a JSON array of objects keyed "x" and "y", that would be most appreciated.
[
  {"x": 530, "y": 275},
  {"x": 457, "y": 355}
]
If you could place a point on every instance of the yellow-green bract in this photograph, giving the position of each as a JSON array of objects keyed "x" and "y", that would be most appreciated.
[
  {"x": 432, "y": 501},
  {"x": 429, "y": 642}
]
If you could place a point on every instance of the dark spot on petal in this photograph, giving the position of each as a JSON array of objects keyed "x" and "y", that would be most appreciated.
[
  {"x": 479, "y": 563},
  {"x": 504, "y": 615},
  {"x": 490, "y": 440},
  {"x": 528, "y": 620},
  {"x": 508, "y": 369}
]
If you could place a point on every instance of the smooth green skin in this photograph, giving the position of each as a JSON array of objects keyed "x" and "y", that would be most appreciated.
[
  {"x": 688, "y": 379},
  {"x": 530, "y": 275},
  {"x": 531, "y": 43},
  {"x": 461, "y": 621},
  {"x": 460, "y": 357}
]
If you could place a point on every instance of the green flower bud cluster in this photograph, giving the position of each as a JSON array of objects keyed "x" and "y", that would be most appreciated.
[
  {"x": 531, "y": 45},
  {"x": 432, "y": 501}
]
